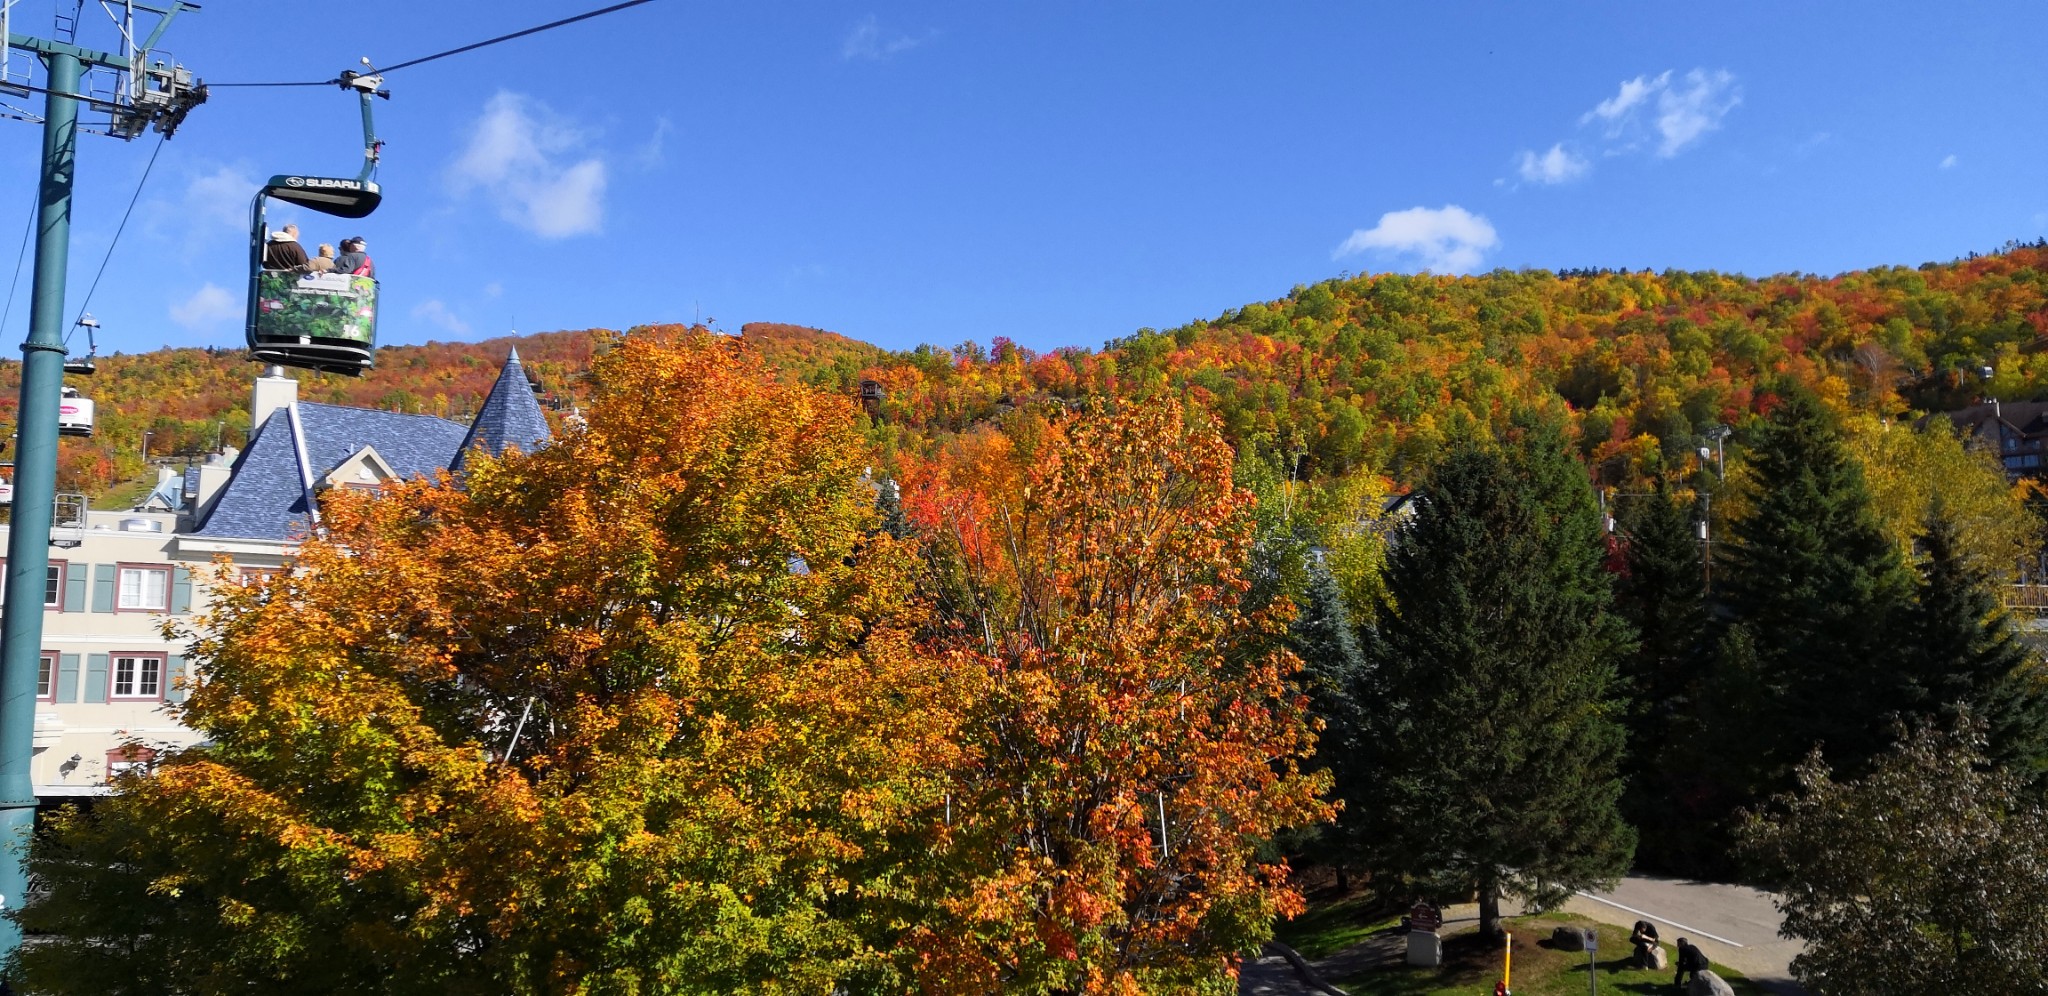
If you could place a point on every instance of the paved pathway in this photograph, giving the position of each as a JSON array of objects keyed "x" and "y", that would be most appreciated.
[
  {"x": 1736, "y": 926},
  {"x": 1269, "y": 976}
]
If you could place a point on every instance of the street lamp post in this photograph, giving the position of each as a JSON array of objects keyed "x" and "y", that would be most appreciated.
[{"x": 1719, "y": 434}]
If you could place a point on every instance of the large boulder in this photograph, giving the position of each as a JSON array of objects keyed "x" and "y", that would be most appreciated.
[
  {"x": 1568, "y": 939},
  {"x": 1706, "y": 983}
]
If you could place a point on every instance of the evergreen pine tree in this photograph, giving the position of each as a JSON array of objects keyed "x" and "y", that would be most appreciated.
[
  {"x": 1489, "y": 727},
  {"x": 1963, "y": 654},
  {"x": 1824, "y": 597},
  {"x": 1332, "y": 663},
  {"x": 1332, "y": 668},
  {"x": 889, "y": 498},
  {"x": 1660, "y": 594}
]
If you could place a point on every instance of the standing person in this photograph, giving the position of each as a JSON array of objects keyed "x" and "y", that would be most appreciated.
[
  {"x": 1691, "y": 962},
  {"x": 323, "y": 260},
  {"x": 355, "y": 258},
  {"x": 284, "y": 251}
]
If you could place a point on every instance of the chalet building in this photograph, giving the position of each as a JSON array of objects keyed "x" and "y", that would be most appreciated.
[
  {"x": 116, "y": 577},
  {"x": 2016, "y": 431}
]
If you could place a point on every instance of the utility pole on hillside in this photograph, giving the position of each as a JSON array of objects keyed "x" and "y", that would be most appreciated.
[{"x": 134, "y": 93}]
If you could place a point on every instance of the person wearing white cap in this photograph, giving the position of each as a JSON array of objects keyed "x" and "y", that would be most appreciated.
[{"x": 284, "y": 251}]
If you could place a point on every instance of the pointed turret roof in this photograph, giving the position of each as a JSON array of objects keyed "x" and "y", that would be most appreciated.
[{"x": 509, "y": 417}]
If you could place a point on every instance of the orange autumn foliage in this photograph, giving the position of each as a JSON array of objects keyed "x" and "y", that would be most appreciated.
[
  {"x": 724, "y": 734},
  {"x": 1131, "y": 736}
]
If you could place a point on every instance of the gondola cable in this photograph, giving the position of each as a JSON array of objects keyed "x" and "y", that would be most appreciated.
[
  {"x": 551, "y": 25},
  {"x": 125, "y": 215},
  {"x": 28, "y": 226}
]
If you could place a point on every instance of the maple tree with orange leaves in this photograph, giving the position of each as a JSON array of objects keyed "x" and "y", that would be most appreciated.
[
  {"x": 637, "y": 713},
  {"x": 1131, "y": 738}
]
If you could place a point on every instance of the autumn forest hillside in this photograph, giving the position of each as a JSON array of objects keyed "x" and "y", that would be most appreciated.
[{"x": 1357, "y": 372}]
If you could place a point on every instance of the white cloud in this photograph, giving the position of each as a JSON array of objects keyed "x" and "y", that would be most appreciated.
[
  {"x": 494, "y": 289},
  {"x": 204, "y": 213},
  {"x": 868, "y": 41},
  {"x": 1949, "y": 161},
  {"x": 520, "y": 156},
  {"x": 207, "y": 309},
  {"x": 1685, "y": 109},
  {"x": 435, "y": 312},
  {"x": 1633, "y": 92},
  {"x": 1448, "y": 239},
  {"x": 1685, "y": 114},
  {"x": 221, "y": 197},
  {"x": 650, "y": 153},
  {"x": 1559, "y": 165}
]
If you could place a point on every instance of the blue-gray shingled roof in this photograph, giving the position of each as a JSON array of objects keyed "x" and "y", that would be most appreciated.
[
  {"x": 509, "y": 417},
  {"x": 264, "y": 497}
]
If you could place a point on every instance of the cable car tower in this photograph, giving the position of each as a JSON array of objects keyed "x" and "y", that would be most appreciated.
[
  {"x": 124, "y": 93},
  {"x": 301, "y": 317}
]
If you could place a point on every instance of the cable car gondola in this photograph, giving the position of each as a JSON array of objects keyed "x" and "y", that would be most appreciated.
[
  {"x": 84, "y": 366},
  {"x": 317, "y": 320},
  {"x": 74, "y": 414}
]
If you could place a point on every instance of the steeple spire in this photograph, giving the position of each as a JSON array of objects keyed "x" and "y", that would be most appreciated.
[{"x": 509, "y": 417}]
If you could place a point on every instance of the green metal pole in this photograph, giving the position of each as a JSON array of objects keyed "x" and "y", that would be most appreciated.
[
  {"x": 370, "y": 143},
  {"x": 35, "y": 487}
]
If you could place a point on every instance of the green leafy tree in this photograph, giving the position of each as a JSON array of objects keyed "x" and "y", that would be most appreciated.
[
  {"x": 1908, "y": 469},
  {"x": 1925, "y": 876},
  {"x": 1491, "y": 726},
  {"x": 1964, "y": 655},
  {"x": 1823, "y": 597}
]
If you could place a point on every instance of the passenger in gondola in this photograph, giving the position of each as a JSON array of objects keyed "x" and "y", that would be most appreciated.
[
  {"x": 323, "y": 260},
  {"x": 355, "y": 258},
  {"x": 284, "y": 251}
]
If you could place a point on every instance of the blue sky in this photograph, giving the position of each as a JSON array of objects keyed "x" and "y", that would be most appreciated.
[{"x": 1059, "y": 173}]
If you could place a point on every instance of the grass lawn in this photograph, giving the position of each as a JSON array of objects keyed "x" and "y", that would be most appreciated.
[
  {"x": 1327, "y": 929},
  {"x": 127, "y": 494},
  {"x": 1472, "y": 967}
]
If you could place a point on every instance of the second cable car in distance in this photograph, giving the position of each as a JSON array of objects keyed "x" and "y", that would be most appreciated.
[{"x": 300, "y": 317}]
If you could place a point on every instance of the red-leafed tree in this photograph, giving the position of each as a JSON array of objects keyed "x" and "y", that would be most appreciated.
[{"x": 1130, "y": 740}]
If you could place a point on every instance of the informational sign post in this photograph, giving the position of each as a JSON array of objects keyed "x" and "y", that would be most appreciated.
[{"x": 1425, "y": 947}]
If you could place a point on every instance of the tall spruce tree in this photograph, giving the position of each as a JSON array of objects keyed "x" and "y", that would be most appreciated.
[
  {"x": 1489, "y": 722},
  {"x": 1333, "y": 665},
  {"x": 1964, "y": 655},
  {"x": 1660, "y": 594},
  {"x": 1824, "y": 602}
]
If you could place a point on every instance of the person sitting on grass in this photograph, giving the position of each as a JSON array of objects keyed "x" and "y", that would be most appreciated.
[
  {"x": 1644, "y": 937},
  {"x": 1691, "y": 962}
]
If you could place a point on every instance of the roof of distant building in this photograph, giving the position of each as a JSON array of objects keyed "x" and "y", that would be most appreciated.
[
  {"x": 272, "y": 484},
  {"x": 2027, "y": 418},
  {"x": 509, "y": 417},
  {"x": 266, "y": 495}
]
